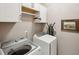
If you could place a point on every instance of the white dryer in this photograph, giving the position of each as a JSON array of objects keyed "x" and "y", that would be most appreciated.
[{"x": 47, "y": 43}]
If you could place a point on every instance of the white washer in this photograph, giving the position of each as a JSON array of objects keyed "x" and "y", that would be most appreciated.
[
  {"x": 47, "y": 43},
  {"x": 21, "y": 47}
]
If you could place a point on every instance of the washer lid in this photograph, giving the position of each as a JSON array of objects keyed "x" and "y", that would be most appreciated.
[
  {"x": 47, "y": 38},
  {"x": 12, "y": 42}
]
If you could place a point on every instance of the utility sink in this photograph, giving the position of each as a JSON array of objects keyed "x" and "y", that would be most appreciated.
[
  {"x": 41, "y": 34},
  {"x": 21, "y": 50}
]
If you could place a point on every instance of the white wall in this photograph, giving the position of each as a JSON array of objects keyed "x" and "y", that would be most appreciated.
[
  {"x": 9, "y": 31},
  {"x": 17, "y": 30},
  {"x": 68, "y": 42}
]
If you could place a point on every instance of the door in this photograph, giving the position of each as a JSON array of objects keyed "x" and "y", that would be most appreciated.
[
  {"x": 36, "y": 6},
  {"x": 10, "y": 12},
  {"x": 43, "y": 13}
]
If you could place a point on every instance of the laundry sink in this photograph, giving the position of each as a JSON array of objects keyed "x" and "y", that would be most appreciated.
[
  {"x": 40, "y": 34},
  {"x": 21, "y": 50}
]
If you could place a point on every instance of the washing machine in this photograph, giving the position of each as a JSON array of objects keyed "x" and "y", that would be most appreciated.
[
  {"x": 20, "y": 47},
  {"x": 47, "y": 43}
]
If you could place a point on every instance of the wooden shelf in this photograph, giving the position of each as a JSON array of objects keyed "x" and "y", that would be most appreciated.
[
  {"x": 30, "y": 8},
  {"x": 26, "y": 13},
  {"x": 27, "y": 10}
]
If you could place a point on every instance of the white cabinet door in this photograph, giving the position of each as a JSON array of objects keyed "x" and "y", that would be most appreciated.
[
  {"x": 10, "y": 12},
  {"x": 2, "y": 12},
  {"x": 43, "y": 13},
  {"x": 27, "y": 5},
  {"x": 36, "y": 6}
]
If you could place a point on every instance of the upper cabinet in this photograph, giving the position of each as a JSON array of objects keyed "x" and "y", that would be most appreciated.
[
  {"x": 43, "y": 13},
  {"x": 36, "y": 6},
  {"x": 37, "y": 10},
  {"x": 28, "y": 8},
  {"x": 10, "y": 12},
  {"x": 41, "y": 18}
]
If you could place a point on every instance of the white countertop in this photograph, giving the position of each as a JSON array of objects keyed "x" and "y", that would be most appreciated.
[{"x": 47, "y": 38}]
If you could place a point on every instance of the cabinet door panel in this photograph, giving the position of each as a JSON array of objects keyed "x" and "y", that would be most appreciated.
[
  {"x": 43, "y": 13},
  {"x": 12, "y": 11},
  {"x": 2, "y": 11},
  {"x": 37, "y": 6},
  {"x": 9, "y": 12}
]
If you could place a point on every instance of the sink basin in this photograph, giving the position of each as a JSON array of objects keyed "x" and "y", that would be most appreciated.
[
  {"x": 21, "y": 50},
  {"x": 41, "y": 34}
]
